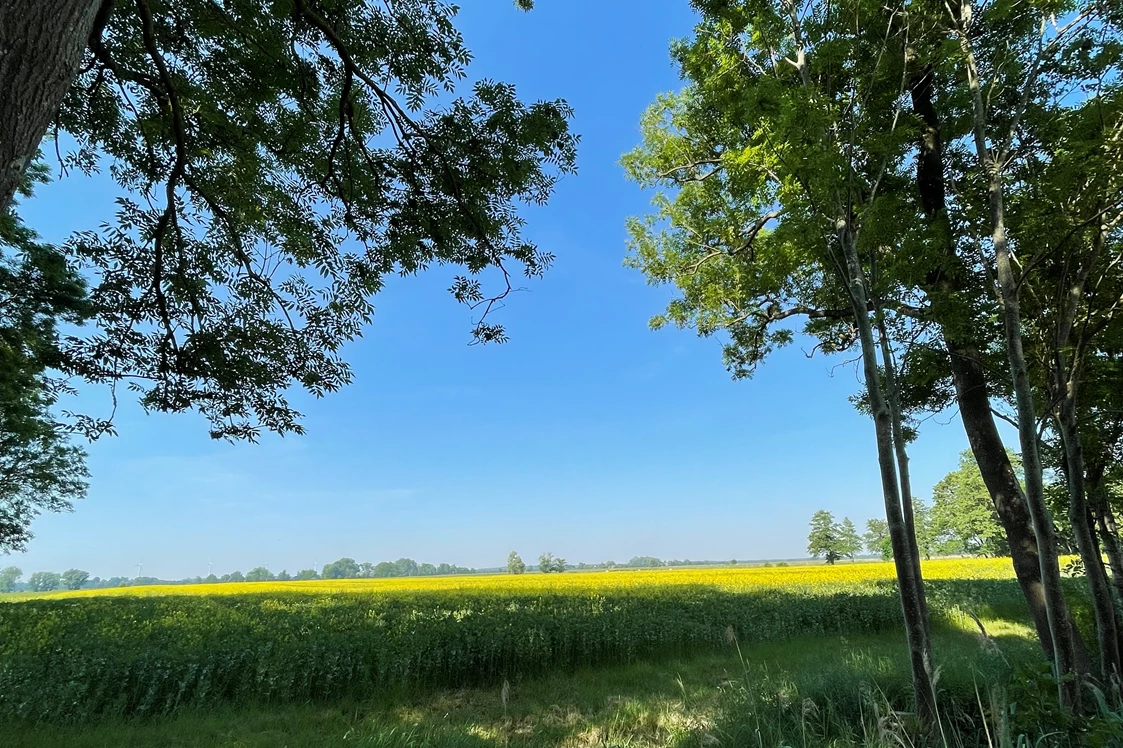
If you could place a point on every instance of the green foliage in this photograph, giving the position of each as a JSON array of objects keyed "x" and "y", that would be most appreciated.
[
  {"x": 344, "y": 568},
  {"x": 259, "y": 574},
  {"x": 751, "y": 165},
  {"x": 79, "y": 659},
  {"x": 849, "y": 543},
  {"x": 42, "y": 470},
  {"x": 963, "y": 517},
  {"x": 877, "y": 540},
  {"x": 547, "y": 564},
  {"x": 44, "y": 581},
  {"x": 646, "y": 562},
  {"x": 8, "y": 578},
  {"x": 74, "y": 579},
  {"x": 515, "y": 564},
  {"x": 276, "y": 162},
  {"x": 304, "y": 574},
  {"x": 832, "y": 540}
]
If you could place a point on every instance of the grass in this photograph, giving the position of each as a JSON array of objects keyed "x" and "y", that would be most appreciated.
[
  {"x": 799, "y": 657},
  {"x": 75, "y": 657},
  {"x": 695, "y": 701}
]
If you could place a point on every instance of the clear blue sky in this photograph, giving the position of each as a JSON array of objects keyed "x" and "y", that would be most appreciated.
[{"x": 587, "y": 435}]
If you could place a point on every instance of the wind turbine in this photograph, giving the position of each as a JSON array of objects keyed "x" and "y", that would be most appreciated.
[
  {"x": 210, "y": 564},
  {"x": 139, "y": 567}
]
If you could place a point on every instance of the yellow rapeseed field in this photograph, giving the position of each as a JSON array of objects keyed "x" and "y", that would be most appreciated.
[{"x": 727, "y": 579}]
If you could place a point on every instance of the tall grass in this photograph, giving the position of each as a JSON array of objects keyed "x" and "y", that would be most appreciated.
[{"x": 73, "y": 659}]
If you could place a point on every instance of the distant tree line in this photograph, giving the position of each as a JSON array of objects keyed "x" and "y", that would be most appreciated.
[
  {"x": 548, "y": 564},
  {"x": 344, "y": 568}
]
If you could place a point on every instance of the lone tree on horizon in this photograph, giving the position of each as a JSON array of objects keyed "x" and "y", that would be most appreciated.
[{"x": 825, "y": 538}]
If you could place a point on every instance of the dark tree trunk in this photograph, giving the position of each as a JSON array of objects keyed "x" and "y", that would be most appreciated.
[
  {"x": 41, "y": 45},
  {"x": 946, "y": 288},
  {"x": 1109, "y": 535}
]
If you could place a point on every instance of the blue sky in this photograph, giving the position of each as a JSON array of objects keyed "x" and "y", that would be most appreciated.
[{"x": 587, "y": 435}]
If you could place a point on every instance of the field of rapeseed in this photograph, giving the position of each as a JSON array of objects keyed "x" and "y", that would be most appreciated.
[{"x": 154, "y": 650}]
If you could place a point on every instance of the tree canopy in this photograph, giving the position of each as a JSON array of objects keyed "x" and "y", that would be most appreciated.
[{"x": 276, "y": 162}]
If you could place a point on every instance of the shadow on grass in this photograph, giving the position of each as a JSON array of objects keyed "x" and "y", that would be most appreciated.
[
  {"x": 73, "y": 660},
  {"x": 674, "y": 702}
]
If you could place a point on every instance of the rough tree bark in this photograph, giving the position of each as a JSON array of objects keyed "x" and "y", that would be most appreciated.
[
  {"x": 909, "y": 578},
  {"x": 41, "y": 46},
  {"x": 945, "y": 287}
]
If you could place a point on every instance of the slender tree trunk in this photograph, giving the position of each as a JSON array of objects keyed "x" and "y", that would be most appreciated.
[
  {"x": 908, "y": 571},
  {"x": 1064, "y": 380},
  {"x": 946, "y": 288},
  {"x": 41, "y": 45},
  {"x": 1079, "y": 512},
  {"x": 1109, "y": 535},
  {"x": 901, "y": 449},
  {"x": 1064, "y": 652}
]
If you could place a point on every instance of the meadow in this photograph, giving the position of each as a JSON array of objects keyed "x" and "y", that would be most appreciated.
[{"x": 83, "y": 656}]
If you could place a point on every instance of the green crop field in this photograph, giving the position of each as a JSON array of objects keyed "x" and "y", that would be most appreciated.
[{"x": 74, "y": 657}]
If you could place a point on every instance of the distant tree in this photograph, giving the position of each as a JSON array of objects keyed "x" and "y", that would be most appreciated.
[
  {"x": 211, "y": 579},
  {"x": 610, "y": 564},
  {"x": 306, "y": 574},
  {"x": 963, "y": 517},
  {"x": 849, "y": 543},
  {"x": 284, "y": 576},
  {"x": 235, "y": 576},
  {"x": 384, "y": 569},
  {"x": 926, "y": 529},
  {"x": 515, "y": 563},
  {"x": 73, "y": 579},
  {"x": 548, "y": 564},
  {"x": 405, "y": 567},
  {"x": 366, "y": 569},
  {"x": 823, "y": 539},
  {"x": 732, "y": 562},
  {"x": 44, "y": 581},
  {"x": 445, "y": 569},
  {"x": 259, "y": 574},
  {"x": 8, "y": 578},
  {"x": 344, "y": 568},
  {"x": 426, "y": 570},
  {"x": 559, "y": 565},
  {"x": 645, "y": 562},
  {"x": 876, "y": 538}
]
